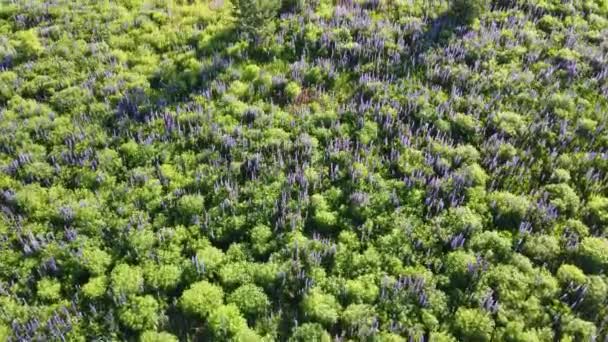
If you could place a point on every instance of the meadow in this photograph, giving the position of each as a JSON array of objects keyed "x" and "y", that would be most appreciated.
[{"x": 304, "y": 170}]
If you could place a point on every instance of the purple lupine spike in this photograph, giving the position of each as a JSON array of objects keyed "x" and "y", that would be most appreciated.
[
  {"x": 422, "y": 299},
  {"x": 457, "y": 241},
  {"x": 359, "y": 198},
  {"x": 525, "y": 227},
  {"x": 489, "y": 303},
  {"x": 70, "y": 233},
  {"x": 27, "y": 249},
  {"x": 51, "y": 264}
]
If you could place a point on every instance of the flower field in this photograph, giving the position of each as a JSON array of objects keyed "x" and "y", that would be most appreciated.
[{"x": 304, "y": 170}]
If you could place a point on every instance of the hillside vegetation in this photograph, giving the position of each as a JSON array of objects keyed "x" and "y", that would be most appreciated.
[{"x": 304, "y": 170}]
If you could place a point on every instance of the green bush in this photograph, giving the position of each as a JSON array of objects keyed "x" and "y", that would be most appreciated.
[
  {"x": 310, "y": 332},
  {"x": 140, "y": 313},
  {"x": 126, "y": 279},
  {"x": 255, "y": 17},
  {"x": 473, "y": 325},
  {"x": 250, "y": 299},
  {"x": 508, "y": 209},
  {"x": 226, "y": 321},
  {"x": 27, "y": 44},
  {"x": 201, "y": 298},
  {"x": 321, "y": 307},
  {"x": 467, "y": 10},
  {"x": 49, "y": 289},
  {"x": 153, "y": 336},
  {"x": 592, "y": 254},
  {"x": 95, "y": 287}
]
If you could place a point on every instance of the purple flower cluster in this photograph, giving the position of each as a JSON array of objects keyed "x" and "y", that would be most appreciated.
[{"x": 410, "y": 286}]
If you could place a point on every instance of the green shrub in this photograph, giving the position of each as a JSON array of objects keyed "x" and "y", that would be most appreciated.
[
  {"x": 140, "y": 313},
  {"x": 226, "y": 321},
  {"x": 467, "y": 10},
  {"x": 473, "y": 325},
  {"x": 256, "y": 17},
  {"x": 153, "y": 336},
  {"x": 126, "y": 279},
  {"x": 508, "y": 209},
  {"x": 310, "y": 332},
  {"x": 592, "y": 254},
  {"x": 201, "y": 298},
  {"x": 250, "y": 299},
  {"x": 322, "y": 307}
]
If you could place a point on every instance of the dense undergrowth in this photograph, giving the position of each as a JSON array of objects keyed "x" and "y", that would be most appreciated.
[{"x": 372, "y": 170}]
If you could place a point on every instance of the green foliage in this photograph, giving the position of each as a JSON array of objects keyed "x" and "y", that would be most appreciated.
[
  {"x": 457, "y": 264},
  {"x": 226, "y": 321},
  {"x": 515, "y": 331},
  {"x": 542, "y": 248},
  {"x": 359, "y": 317},
  {"x": 261, "y": 239},
  {"x": 597, "y": 209},
  {"x": 564, "y": 198},
  {"x": 473, "y": 325},
  {"x": 509, "y": 209},
  {"x": 126, "y": 279},
  {"x": 576, "y": 329},
  {"x": 509, "y": 122},
  {"x": 464, "y": 125},
  {"x": 255, "y": 17},
  {"x": 292, "y": 90},
  {"x": 49, "y": 289},
  {"x": 201, "y": 298},
  {"x": 70, "y": 100},
  {"x": 236, "y": 273},
  {"x": 7, "y": 80},
  {"x": 153, "y": 336},
  {"x": 247, "y": 335},
  {"x": 440, "y": 336},
  {"x": 190, "y": 205},
  {"x": 567, "y": 274},
  {"x": 362, "y": 289},
  {"x": 467, "y": 10},
  {"x": 250, "y": 72},
  {"x": 323, "y": 217},
  {"x": 211, "y": 257},
  {"x": 5, "y": 332},
  {"x": 95, "y": 287},
  {"x": 96, "y": 260},
  {"x": 321, "y": 307},
  {"x": 140, "y": 313},
  {"x": 163, "y": 277},
  {"x": 27, "y": 44},
  {"x": 493, "y": 244},
  {"x": 592, "y": 254},
  {"x": 310, "y": 332},
  {"x": 460, "y": 220},
  {"x": 250, "y": 299},
  {"x": 595, "y": 298}
]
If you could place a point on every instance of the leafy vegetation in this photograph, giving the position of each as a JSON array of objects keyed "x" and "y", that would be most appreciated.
[{"x": 362, "y": 170}]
